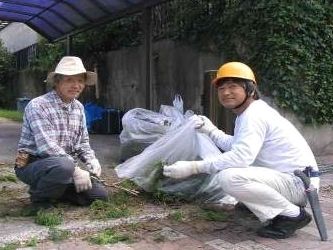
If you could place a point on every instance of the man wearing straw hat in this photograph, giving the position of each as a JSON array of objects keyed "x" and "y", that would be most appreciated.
[{"x": 54, "y": 137}]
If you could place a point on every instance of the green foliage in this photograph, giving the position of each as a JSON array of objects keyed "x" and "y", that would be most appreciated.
[
  {"x": 287, "y": 43},
  {"x": 125, "y": 32},
  {"x": 32, "y": 242},
  {"x": 109, "y": 236},
  {"x": 12, "y": 246},
  {"x": 6, "y": 73},
  {"x": 11, "y": 115},
  {"x": 116, "y": 207},
  {"x": 212, "y": 215},
  {"x": 8, "y": 178},
  {"x": 49, "y": 218},
  {"x": 48, "y": 55},
  {"x": 289, "y": 48},
  {"x": 177, "y": 216}
]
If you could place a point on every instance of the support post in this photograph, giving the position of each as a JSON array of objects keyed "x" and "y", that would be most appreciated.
[{"x": 147, "y": 29}]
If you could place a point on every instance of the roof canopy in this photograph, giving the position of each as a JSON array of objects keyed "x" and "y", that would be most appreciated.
[{"x": 54, "y": 19}]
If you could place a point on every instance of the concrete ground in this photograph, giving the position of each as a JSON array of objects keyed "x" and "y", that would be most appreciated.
[{"x": 156, "y": 226}]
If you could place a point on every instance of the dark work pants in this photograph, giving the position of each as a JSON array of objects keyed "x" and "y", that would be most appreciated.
[{"x": 51, "y": 179}]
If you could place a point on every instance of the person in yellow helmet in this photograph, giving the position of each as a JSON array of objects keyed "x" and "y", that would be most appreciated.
[{"x": 259, "y": 160}]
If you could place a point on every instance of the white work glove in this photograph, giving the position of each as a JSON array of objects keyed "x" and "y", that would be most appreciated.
[
  {"x": 183, "y": 169},
  {"x": 81, "y": 179},
  {"x": 203, "y": 124},
  {"x": 94, "y": 167}
]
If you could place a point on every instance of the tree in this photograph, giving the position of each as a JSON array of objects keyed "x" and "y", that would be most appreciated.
[{"x": 6, "y": 72}]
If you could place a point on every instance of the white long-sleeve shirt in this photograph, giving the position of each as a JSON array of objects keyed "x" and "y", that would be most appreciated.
[{"x": 262, "y": 137}]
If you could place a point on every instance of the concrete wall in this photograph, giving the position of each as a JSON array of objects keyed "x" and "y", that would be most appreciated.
[
  {"x": 319, "y": 137},
  {"x": 17, "y": 36},
  {"x": 30, "y": 83},
  {"x": 176, "y": 69},
  {"x": 121, "y": 79}
]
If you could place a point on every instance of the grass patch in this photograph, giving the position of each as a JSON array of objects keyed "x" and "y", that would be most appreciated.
[
  {"x": 11, "y": 115},
  {"x": 212, "y": 215},
  {"x": 109, "y": 209},
  {"x": 160, "y": 197},
  {"x": 56, "y": 234},
  {"x": 11, "y": 246},
  {"x": 32, "y": 242},
  {"x": 177, "y": 216},
  {"x": 49, "y": 218},
  {"x": 8, "y": 178},
  {"x": 108, "y": 236},
  {"x": 159, "y": 238}
]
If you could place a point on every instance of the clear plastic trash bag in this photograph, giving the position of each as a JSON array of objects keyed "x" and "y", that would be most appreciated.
[
  {"x": 142, "y": 127},
  {"x": 182, "y": 143}
]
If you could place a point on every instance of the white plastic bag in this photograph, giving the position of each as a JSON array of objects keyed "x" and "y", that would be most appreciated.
[
  {"x": 184, "y": 143},
  {"x": 178, "y": 144},
  {"x": 142, "y": 127}
]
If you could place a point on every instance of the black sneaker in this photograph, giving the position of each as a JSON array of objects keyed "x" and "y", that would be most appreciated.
[{"x": 282, "y": 227}]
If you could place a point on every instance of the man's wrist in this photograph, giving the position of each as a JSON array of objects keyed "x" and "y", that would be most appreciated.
[
  {"x": 212, "y": 132},
  {"x": 202, "y": 167}
]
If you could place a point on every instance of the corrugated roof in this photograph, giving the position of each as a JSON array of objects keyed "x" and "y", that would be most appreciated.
[{"x": 54, "y": 19}]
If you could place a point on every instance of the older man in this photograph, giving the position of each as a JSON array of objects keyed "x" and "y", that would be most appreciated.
[{"x": 54, "y": 137}]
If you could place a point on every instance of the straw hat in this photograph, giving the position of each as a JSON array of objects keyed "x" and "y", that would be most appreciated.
[{"x": 72, "y": 65}]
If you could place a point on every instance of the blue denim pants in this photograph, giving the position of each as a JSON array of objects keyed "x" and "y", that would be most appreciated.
[{"x": 51, "y": 179}]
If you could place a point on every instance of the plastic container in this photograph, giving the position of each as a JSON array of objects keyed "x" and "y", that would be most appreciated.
[{"x": 21, "y": 103}]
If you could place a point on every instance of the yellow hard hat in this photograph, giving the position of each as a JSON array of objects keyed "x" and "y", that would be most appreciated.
[{"x": 234, "y": 69}]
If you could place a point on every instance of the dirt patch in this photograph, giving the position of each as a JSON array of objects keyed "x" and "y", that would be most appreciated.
[{"x": 326, "y": 191}]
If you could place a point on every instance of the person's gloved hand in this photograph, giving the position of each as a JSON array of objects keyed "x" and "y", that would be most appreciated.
[
  {"x": 81, "y": 179},
  {"x": 203, "y": 124},
  {"x": 94, "y": 167},
  {"x": 183, "y": 169}
]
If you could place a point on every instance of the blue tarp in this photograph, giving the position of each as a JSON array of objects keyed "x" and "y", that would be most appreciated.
[{"x": 54, "y": 19}]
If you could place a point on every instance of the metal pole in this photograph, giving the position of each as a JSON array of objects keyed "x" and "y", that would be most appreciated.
[
  {"x": 148, "y": 56},
  {"x": 69, "y": 45}
]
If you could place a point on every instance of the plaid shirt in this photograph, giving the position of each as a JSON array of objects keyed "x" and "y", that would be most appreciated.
[{"x": 54, "y": 128}]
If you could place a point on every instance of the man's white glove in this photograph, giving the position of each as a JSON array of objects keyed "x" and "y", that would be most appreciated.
[
  {"x": 94, "y": 167},
  {"x": 203, "y": 124},
  {"x": 183, "y": 169},
  {"x": 81, "y": 179}
]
